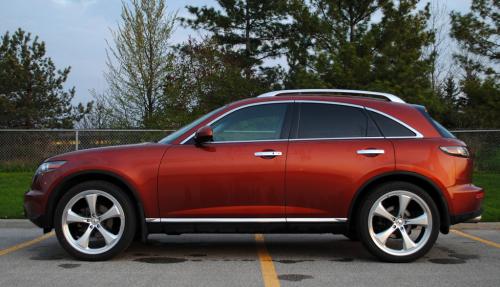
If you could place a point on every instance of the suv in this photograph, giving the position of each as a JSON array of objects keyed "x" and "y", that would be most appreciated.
[{"x": 358, "y": 163}]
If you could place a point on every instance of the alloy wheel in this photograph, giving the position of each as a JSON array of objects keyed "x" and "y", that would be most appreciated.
[
  {"x": 93, "y": 222},
  {"x": 400, "y": 223}
]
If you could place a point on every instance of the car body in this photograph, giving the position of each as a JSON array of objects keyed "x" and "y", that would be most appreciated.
[{"x": 288, "y": 161}]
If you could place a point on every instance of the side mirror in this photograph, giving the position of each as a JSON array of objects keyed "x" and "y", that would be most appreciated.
[{"x": 203, "y": 135}]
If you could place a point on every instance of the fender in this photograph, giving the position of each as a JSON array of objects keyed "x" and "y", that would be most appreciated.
[
  {"x": 93, "y": 174},
  {"x": 442, "y": 204}
]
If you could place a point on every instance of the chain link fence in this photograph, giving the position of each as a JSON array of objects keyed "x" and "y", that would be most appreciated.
[{"x": 25, "y": 149}]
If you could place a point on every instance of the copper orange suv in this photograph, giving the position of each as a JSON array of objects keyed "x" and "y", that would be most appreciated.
[{"x": 358, "y": 163}]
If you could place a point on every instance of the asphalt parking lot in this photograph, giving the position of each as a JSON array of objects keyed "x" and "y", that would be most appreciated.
[{"x": 469, "y": 257}]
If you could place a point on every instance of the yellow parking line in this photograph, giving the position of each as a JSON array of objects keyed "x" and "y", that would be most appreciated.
[
  {"x": 266, "y": 263},
  {"x": 466, "y": 235},
  {"x": 26, "y": 244}
]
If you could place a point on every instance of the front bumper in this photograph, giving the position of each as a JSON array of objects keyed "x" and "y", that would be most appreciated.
[{"x": 34, "y": 208}]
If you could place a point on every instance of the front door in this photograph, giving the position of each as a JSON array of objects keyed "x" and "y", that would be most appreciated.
[{"x": 241, "y": 174}]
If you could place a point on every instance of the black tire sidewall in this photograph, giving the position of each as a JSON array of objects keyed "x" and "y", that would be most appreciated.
[
  {"x": 120, "y": 196},
  {"x": 367, "y": 204}
]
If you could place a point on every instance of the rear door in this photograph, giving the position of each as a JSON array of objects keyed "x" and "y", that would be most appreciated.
[{"x": 334, "y": 148}]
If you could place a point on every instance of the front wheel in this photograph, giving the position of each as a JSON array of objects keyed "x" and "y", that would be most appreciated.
[
  {"x": 95, "y": 221},
  {"x": 399, "y": 222}
]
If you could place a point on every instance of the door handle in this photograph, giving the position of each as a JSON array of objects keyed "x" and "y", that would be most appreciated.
[
  {"x": 371, "y": 151},
  {"x": 268, "y": 154}
]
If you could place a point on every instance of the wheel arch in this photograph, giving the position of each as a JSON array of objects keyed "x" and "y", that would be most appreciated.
[
  {"x": 108, "y": 176},
  {"x": 424, "y": 182}
]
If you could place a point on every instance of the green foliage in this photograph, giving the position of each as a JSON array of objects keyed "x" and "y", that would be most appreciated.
[
  {"x": 31, "y": 89},
  {"x": 477, "y": 34},
  {"x": 204, "y": 78},
  {"x": 138, "y": 64},
  {"x": 250, "y": 30}
]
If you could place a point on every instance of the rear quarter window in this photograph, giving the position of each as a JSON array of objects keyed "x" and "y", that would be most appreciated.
[{"x": 390, "y": 127}]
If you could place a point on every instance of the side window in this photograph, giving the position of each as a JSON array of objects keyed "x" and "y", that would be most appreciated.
[
  {"x": 334, "y": 121},
  {"x": 260, "y": 122},
  {"x": 389, "y": 127}
]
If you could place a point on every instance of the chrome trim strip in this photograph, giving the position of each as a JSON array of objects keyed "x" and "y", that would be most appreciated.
[
  {"x": 389, "y": 97},
  {"x": 325, "y": 220},
  {"x": 244, "y": 220},
  {"x": 153, "y": 220}
]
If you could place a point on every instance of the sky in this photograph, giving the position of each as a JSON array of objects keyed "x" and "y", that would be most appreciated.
[{"x": 75, "y": 32}]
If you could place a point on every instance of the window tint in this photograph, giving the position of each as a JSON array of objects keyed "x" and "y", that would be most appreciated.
[
  {"x": 334, "y": 121},
  {"x": 260, "y": 122},
  {"x": 389, "y": 127}
]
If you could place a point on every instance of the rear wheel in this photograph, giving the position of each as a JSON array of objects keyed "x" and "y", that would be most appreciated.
[
  {"x": 399, "y": 222},
  {"x": 94, "y": 221}
]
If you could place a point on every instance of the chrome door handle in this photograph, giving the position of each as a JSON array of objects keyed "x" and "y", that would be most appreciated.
[
  {"x": 268, "y": 153},
  {"x": 370, "y": 151}
]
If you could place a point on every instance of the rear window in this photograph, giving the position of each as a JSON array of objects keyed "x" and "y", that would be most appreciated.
[
  {"x": 390, "y": 127},
  {"x": 334, "y": 121},
  {"x": 442, "y": 130}
]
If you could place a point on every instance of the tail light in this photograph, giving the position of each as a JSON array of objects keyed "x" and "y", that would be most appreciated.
[{"x": 460, "y": 151}]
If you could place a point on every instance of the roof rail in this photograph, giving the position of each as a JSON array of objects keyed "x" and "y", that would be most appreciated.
[{"x": 385, "y": 96}]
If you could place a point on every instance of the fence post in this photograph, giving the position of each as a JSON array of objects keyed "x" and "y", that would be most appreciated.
[{"x": 76, "y": 139}]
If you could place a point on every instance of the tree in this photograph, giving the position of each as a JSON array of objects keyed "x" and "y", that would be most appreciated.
[
  {"x": 32, "y": 93},
  {"x": 339, "y": 44},
  {"x": 139, "y": 62},
  {"x": 204, "y": 78},
  {"x": 252, "y": 30},
  {"x": 477, "y": 34}
]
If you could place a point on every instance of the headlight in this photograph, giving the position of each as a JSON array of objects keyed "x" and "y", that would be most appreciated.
[{"x": 49, "y": 166}]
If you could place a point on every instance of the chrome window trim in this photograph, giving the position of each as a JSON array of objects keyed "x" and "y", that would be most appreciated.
[
  {"x": 417, "y": 133},
  {"x": 244, "y": 220},
  {"x": 387, "y": 96},
  {"x": 234, "y": 110}
]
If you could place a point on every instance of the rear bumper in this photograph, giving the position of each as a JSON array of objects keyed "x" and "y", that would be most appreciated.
[{"x": 466, "y": 203}]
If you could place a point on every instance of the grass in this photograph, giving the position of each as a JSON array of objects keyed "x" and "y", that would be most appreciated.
[
  {"x": 14, "y": 184},
  {"x": 491, "y": 184}
]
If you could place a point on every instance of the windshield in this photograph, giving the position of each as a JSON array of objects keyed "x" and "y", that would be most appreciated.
[{"x": 171, "y": 137}]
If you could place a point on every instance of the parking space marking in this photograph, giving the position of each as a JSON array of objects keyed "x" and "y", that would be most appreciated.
[
  {"x": 266, "y": 263},
  {"x": 26, "y": 244},
  {"x": 466, "y": 235}
]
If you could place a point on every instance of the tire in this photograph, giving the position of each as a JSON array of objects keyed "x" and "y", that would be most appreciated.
[
  {"x": 99, "y": 234},
  {"x": 382, "y": 233},
  {"x": 351, "y": 235}
]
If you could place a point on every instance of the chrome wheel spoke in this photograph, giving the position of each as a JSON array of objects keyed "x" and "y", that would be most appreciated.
[
  {"x": 112, "y": 212},
  {"x": 91, "y": 201},
  {"x": 72, "y": 217},
  {"x": 108, "y": 236},
  {"x": 83, "y": 241},
  {"x": 382, "y": 212},
  {"x": 404, "y": 200},
  {"x": 407, "y": 241},
  {"x": 421, "y": 220},
  {"x": 384, "y": 235}
]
